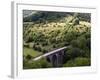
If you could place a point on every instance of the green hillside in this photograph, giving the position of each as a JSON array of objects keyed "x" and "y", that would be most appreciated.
[{"x": 47, "y": 31}]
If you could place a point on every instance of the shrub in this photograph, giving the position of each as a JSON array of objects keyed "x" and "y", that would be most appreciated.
[
  {"x": 44, "y": 43},
  {"x": 79, "y": 61},
  {"x": 82, "y": 61},
  {"x": 28, "y": 57},
  {"x": 44, "y": 50},
  {"x": 29, "y": 39},
  {"x": 81, "y": 42},
  {"x": 75, "y": 21},
  {"x": 38, "y": 48},
  {"x": 68, "y": 37},
  {"x": 73, "y": 52},
  {"x": 69, "y": 63},
  {"x": 26, "y": 45},
  {"x": 74, "y": 43},
  {"x": 36, "y": 64},
  {"x": 88, "y": 43},
  {"x": 54, "y": 46},
  {"x": 31, "y": 65},
  {"x": 66, "y": 43},
  {"x": 44, "y": 63},
  {"x": 87, "y": 35}
]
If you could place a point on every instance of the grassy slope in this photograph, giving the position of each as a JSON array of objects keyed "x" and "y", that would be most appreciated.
[
  {"x": 32, "y": 52},
  {"x": 47, "y": 28}
]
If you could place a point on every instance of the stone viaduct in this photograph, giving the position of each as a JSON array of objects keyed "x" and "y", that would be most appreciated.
[{"x": 55, "y": 57}]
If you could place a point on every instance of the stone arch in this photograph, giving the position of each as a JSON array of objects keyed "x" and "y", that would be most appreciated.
[
  {"x": 60, "y": 57},
  {"x": 48, "y": 59},
  {"x": 54, "y": 60}
]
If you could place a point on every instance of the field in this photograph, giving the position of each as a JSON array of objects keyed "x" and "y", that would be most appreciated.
[
  {"x": 31, "y": 52},
  {"x": 47, "y": 31}
]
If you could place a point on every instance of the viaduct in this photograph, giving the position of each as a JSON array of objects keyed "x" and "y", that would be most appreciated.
[{"x": 54, "y": 57}]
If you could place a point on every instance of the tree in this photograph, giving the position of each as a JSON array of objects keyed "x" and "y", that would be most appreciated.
[
  {"x": 88, "y": 43},
  {"x": 81, "y": 42},
  {"x": 75, "y": 21},
  {"x": 74, "y": 43},
  {"x": 28, "y": 57},
  {"x": 44, "y": 63},
  {"x": 29, "y": 39},
  {"x": 44, "y": 50},
  {"x": 73, "y": 53},
  {"x": 69, "y": 37}
]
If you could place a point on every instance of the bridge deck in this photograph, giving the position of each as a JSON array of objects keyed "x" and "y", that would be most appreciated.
[{"x": 49, "y": 53}]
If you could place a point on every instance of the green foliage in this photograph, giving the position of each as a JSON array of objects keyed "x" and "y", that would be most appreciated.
[
  {"x": 42, "y": 63},
  {"x": 52, "y": 30},
  {"x": 69, "y": 37},
  {"x": 73, "y": 52},
  {"x": 75, "y": 21},
  {"x": 30, "y": 65},
  {"x": 28, "y": 57},
  {"x": 31, "y": 52},
  {"x": 79, "y": 61},
  {"x": 44, "y": 51},
  {"x": 74, "y": 43},
  {"x": 88, "y": 43},
  {"x": 82, "y": 42},
  {"x": 82, "y": 61},
  {"x": 69, "y": 63}
]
